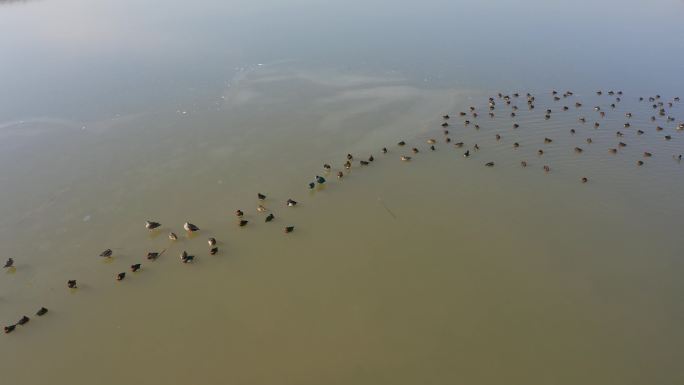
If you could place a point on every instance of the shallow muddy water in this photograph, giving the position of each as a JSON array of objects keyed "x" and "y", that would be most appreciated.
[{"x": 439, "y": 270}]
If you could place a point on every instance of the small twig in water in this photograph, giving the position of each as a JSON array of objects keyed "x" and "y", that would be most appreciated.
[{"x": 387, "y": 208}]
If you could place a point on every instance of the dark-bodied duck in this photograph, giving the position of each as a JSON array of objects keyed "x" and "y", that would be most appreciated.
[
  {"x": 405, "y": 158},
  {"x": 262, "y": 197},
  {"x": 414, "y": 150},
  {"x": 41, "y": 312},
  {"x": 106, "y": 254},
  {"x": 71, "y": 284},
  {"x": 489, "y": 164},
  {"x": 288, "y": 229},
  {"x": 239, "y": 213},
  {"x": 291, "y": 203},
  {"x": 10, "y": 328},
  {"x": 151, "y": 225},
  {"x": 9, "y": 263},
  {"x": 173, "y": 236},
  {"x": 523, "y": 163},
  {"x": 185, "y": 258},
  {"x": 269, "y": 218},
  {"x": 213, "y": 250},
  {"x": 384, "y": 150},
  {"x": 578, "y": 150},
  {"x": 151, "y": 256},
  {"x": 364, "y": 163},
  {"x": 547, "y": 168},
  {"x": 647, "y": 154},
  {"x": 23, "y": 320},
  {"x": 401, "y": 143},
  {"x": 340, "y": 175},
  {"x": 320, "y": 179},
  {"x": 350, "y": 157},
  {"x": 135, "y": 267},
  {"x": 347, "y": 165},
  {"x": 243, "y": 222},
  {"x": 585, "y": 179},
  {"x": 189, "y": 227},
  {"x": 121, "y": 276},
  {"x": 211, "y": 241}
]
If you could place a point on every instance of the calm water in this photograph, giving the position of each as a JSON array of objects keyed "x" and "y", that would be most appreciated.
[{"x": 437, "y": 271}]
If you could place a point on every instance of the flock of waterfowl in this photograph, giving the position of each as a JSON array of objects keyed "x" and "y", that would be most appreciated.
[{"x": 509, "y": 101}]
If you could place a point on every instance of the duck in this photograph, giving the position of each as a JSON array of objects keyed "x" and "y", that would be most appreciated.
[
  {"x": 572, "y": 131},
  {"x": 547, "y": 168},
  {"x": 106, "y": 254},
  {"x": 540, "y": 152},
  {"x": 476, "y": 147},
  {"x": 583, "y": 119},
  {"x": 185, "y": 258},
  {"x": 596, "y": 125},
  {"x": 347, "y": 165},
  {"x": 262, "y": 197},
  {"x": 589, "y": 140},
  {"x": 401, "y": 143},
  {"x": 243, "y": 223},
  {"x": 350, "y": 157},
  {"x": 269, "y": 218},
  {"x": 647, "y": 154},
  {"x": 41, "y": 312},
  {"x": 622, "y": 144},
  {"x": 189, "y": 227},
  {"x": 135, "y": 267},
  {"x": 120, "y": 276},
  {"x": 405, "y": 158},
  {"x": 613, "y": 150},
  {"x": 291, "y": 202},
  {"x": 327, "y": 167},
  {"x": 213, "y": 250},
  {"x": 239, "y": 213},
  {"x": 340, "y": 175},
  {"x": 288, "y": 229},
  {"x": 466, "y": 154},
  {"x": 432, "y": 148},
  {"x": 71, "y": 284},
  {"x": 639, "y": 132},
  {"x": 384, "y": 150},
  {"x": 9, "y": 263},
  {"x": 211, "y": 241},
  {"x": 618, "y": 133},
  {"x": 173, "y": 236},
  {"x": 151, "y": 256},
  {"x": 447, "y": 139},
  {"x": 516, "y": 125},
  {"x": 627, "y": 125},
  {"x": 489, "y": 164},
  {"x": 320, "y": 179},
  {"x": 523, "y": 163},
  {"x": 668, "y": 137},
  {"x": 151, "y": 225},
  {"x": 458, "y": 145},
  {"x": 445, "y": 117},
  {"x": 260, "y": 209},
  {"x": 371, "y": 158},
  {"x": 445, "y": 124},
  {"x": 547, "y": 140},
  {"x": 578, "y": 150},
  {"x": 23, "y": 320},
  {"x": 585, "y": 179},
  {"x": 640, "y": 162},
  {"x": 414, "y": 150},
  {"x": 516, "y": 145},
  {"x": 9, "y": 328},
  {"x": 498, "y": 137},
  {"x": 364, "y": 163},
  {"x": 432, "y": 141}
]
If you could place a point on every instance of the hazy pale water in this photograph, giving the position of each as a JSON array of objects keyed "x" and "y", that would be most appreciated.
[{"x": 435, "y": 271}]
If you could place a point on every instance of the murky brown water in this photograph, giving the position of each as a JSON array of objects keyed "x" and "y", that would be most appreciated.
[{"x": 439, "y": 270}]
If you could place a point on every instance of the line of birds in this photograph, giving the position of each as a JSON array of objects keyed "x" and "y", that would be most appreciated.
[{"x": 319, "y": 180}]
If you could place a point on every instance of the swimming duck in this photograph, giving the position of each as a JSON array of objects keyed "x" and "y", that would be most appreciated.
[
  {"x": 239, "y": 213},
  {"x": 447, "y": 139},
  {"x": 466, "y": 154},
  {"x": 516, "y": 125},
  {"x": 516, "y": 145},
  {"x": 9, "y": 263},
  {"x": 151, "y": 256},
  {"x": 401, "y": 143},
  {"x": 572, "y": 131},
  {"x": 585, "y": 179},
  {"x": 185, "y": 258},
  {"x": 647, "y": 154},
  {"x": 658, "y": 128},
  {"x": 627, "y": 125},
  {"x": 135, "y": 267},
  {"x": 189, "y": 227},
  {"x": 23, "y": 320},
  {"x": 565, "y": 108},
  {"x": 431, "y": 141},
  {"x": 173, "y": 236},
  {"x": 445, "y": 117},
  {"x": 120, "y": 276},
  {"x": 589, "y": 140},
  {"x": 291, "y": 203},
  {"x": 498, "y": 137},
  {"x": 270, "y": 217},
  {"x": 476, "y": 147},
  {"x": 613, "y": 150},
  {"x": 622, "y": 144},
  {"x": 462, "y": 113},
  {"x": 9, "y": 328},
  {"x": 262, "y": 197},
  {"x": 596, "y": 125},
  {"x": 432, "y": 148},
  {"x": 371, "y": 158},
  {"x": 213, "y": 250},
  {"x": 458, "y": 145},
  {"x": 211, "y": 241},
  {"x": 467, "y": 122},
  {"x": 414, "y": 150},
  {"x": 347, "y": 165},
  {"x": 288, "y": 229},
  {"x": 320, "y": 179},
  {"x": 150, "y": 225},
  {"x": 489, "y": 164},
  {"x": 363, "y": 163},
  {"x": 639, "y": 132},
  {"x": 340, "y": 175},
  {"x": 640, "y": 162},
  {"x": 583, "y": 119},
  {"x": 41, "y": 312},
  {"x": 547, "y": 168},
  {"x": 578, "y": 150},
  {"x": 628, "y": 114},
  {"x": 668, "y": 137},
  {"x": 602, "y": 114},
  {"x": 405, "y": 158},
  {"x": 619, "y": 134},
  {"x": 384, "y": 150},
  {"x": 540, "y": 152},
  {"x": 327, "y": 167},
  {"x": 350, "y": 157},
  {"x": 106, "y": 254},
  {"x": 71, "y": 284},
  {"x": 260, "y": 209},
  {"x": 445, "y": 124},
  {"x": 547, "y": 140},
  {"x": 243, "y": 223}
]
